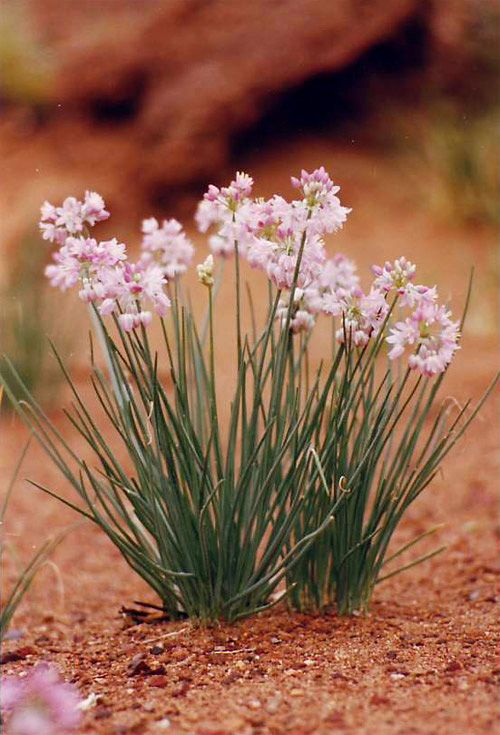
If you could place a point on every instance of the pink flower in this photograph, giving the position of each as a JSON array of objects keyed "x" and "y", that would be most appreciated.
[
  {"x": 395, "y": 275},
  {"x": 48, "y": 212},
  {"x": 315, "y": 186},
  {"x": 237, "y": 191},
  {"x": 131, "y": 321},
  {"x": 319, "y": 192},
  {"x": 52, "y": 233},
  {"x": 254, "y": 224},
  {"x": 167, "y": 245},
  {"x": 57, "y": 223},
  {"x": 70, "y": 216},
  {"x": 39, "y": 704},
  {"x": 301, "y": 318},
  {"x": 339, "y": 274},
  {"x": 104, "y": 290},
  {"x": 432, "y": 334},
  {"x": 362, "y": 315},
  {"x": 218, "y": 202},
  {"x": 278, "y": 228},
  {"x": 416, "y": 294},
  {"x": 101, "y": 269},
  {"x": 226, "y": 209},
  {"x": 94, "y": 209},
  {"x": 142, "y": 283},
  {"x": 83, "y": 259}
]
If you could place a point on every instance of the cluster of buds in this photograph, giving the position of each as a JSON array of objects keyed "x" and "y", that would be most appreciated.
[{"x": 206, "y": 271}]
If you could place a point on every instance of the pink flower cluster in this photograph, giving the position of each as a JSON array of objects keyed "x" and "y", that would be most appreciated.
[
  {"x": 167, "y": 245},
  {"x": 272, "y": 234},
  {"x": 101, "y": 269},
  {"x": 227, "y": 210},
  {"x": 431, "y": 334},
  {"x": 428, "y": 332},
  {"x": 39, "y": 704},
  {"x": 283, "y": 239},
  {"x": 336, "y": 279},
  {"x": 71, "y": 217},
  {"x": 361, "y": 315}
]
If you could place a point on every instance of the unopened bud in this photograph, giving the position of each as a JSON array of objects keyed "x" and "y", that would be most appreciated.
[{"x": 206, "y": 271}]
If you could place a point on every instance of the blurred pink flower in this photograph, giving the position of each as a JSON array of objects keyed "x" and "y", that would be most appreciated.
[
  {"x": 395, "y": 275},
  {"x": 279, "y": 228},
  {"x": 167, "y": 245},
  {"x": 142, "y": 283},
  {"x": 302, "y": 319},
  {"x": 83, "y": 259},
  {"x": 39, "y": 704}
]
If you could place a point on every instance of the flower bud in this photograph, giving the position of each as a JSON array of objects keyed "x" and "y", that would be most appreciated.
[{"x": 206, "y": 271}]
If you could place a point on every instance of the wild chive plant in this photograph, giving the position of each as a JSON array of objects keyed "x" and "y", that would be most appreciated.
[{"x": 299, "y": 492}]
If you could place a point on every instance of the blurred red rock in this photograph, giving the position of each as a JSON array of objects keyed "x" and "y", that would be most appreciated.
[{"x": 180, "y": 78}]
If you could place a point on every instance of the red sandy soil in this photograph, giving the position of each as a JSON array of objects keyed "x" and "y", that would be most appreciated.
[{"x": 424, "y": 662}]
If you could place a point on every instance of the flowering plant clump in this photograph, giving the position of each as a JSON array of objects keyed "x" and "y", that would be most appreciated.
[
  {"x": 299, "y": 492},
  {"x": 39, "y": 704}
]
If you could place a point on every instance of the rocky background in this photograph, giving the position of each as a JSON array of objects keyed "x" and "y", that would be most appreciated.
[{"x": 163, "y": 94}]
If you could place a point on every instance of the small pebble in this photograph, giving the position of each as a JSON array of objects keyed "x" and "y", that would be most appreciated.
[
  {"x": 273, "y": 704},
  {"x": 156, "y": 650},
  {"x": 102, "y": 713},
  {"x": 163, "y": 724}
]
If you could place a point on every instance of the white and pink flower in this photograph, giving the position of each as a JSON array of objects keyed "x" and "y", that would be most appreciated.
[
  {"x": 167, "y": 245},
  {"x": 58, "y": 223},
  {"x": 431, "y": 334},
  {"x": 361, "y": 315}
]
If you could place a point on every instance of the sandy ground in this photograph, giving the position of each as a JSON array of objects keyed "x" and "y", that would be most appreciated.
[{"x": 425, "y": 661}]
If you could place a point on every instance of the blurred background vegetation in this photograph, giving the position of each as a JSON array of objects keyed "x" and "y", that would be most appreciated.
[{"x": 30, "y": 314}]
